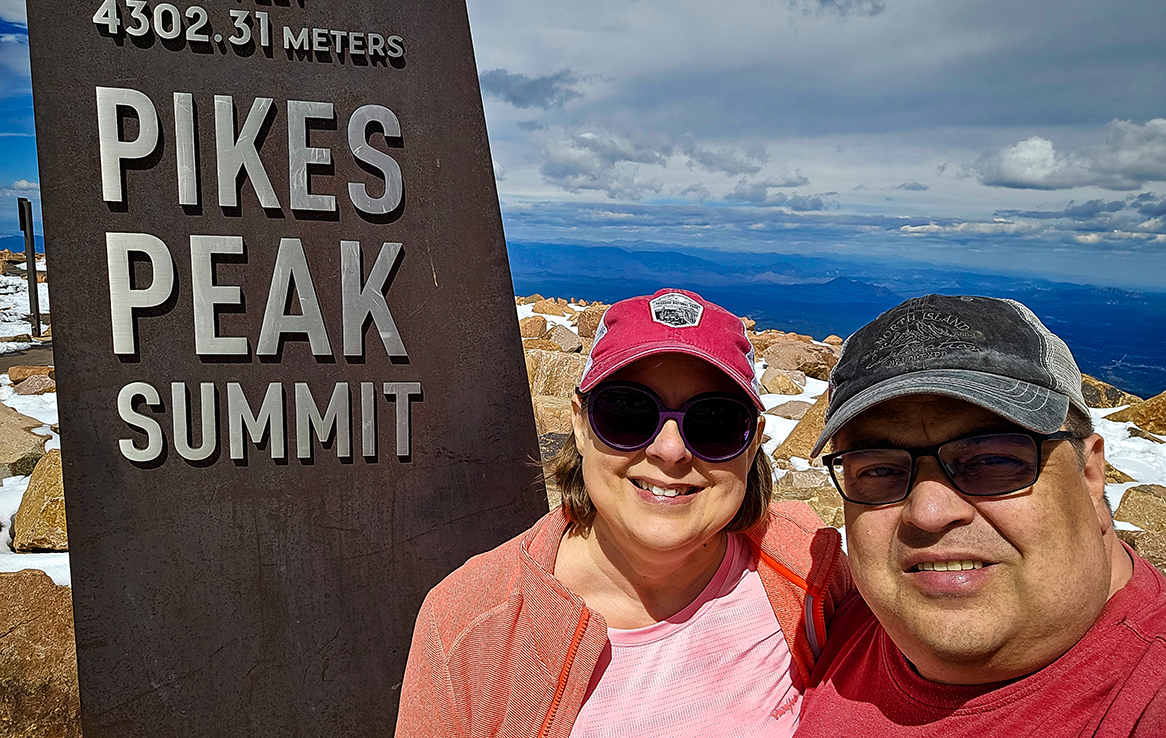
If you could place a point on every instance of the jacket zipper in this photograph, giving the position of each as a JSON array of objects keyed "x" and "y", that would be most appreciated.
[
  {"x": 782, "y": 569},
  {"x": 575, "y": 640},
  {"x": 820, "y": 605}
]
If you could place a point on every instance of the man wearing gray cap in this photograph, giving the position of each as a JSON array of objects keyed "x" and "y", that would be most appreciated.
[{"x": 996, "y": 598}]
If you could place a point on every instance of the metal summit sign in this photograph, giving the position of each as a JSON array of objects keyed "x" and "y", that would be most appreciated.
[{"x": 291, "y": 388}]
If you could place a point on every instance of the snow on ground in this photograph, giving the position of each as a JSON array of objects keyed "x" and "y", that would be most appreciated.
[
  {"x": 42, "y": 408},
  {"x": 14, "y": 309}
]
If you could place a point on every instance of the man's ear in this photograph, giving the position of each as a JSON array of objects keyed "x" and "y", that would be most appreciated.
[
  {"x": 578, "y": 421},
  {"x": 1094, "y": 472}
]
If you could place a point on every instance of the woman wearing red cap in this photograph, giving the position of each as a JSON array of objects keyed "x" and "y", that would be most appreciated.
[{"x": 667, "y": 596}]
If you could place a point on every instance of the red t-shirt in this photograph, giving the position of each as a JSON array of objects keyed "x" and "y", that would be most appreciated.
[{"x": 1112, "y": 683}]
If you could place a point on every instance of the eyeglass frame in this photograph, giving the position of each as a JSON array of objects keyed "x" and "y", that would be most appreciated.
[
  {"x": 666, "y": 413},
  {"x": 933, "y": 451}
]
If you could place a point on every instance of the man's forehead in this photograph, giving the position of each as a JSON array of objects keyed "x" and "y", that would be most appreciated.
[{"x": 917, "y": 420}]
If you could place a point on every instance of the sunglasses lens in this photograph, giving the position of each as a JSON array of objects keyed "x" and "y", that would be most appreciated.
[
  {"x": 991, "y": 465},
  {"x": 623, "y": 417},
  {"x": 982, "y": 466},
  {"x": 717, "y": 428},
  {"x": 873, "y": 477}
]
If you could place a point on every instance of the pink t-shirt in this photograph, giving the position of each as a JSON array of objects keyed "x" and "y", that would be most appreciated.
[{"x": 719, "y": 667}]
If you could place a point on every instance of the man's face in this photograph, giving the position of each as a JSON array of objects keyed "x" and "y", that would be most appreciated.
[{"x": 1046, "y": 570}]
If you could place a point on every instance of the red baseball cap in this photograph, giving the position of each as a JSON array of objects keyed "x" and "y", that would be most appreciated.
[{"x": 671, "y": 321}]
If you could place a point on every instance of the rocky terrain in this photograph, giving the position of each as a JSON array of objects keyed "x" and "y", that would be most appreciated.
[
  {"x": 793, "y": 369},
  {"x": 38, "y": 682}
]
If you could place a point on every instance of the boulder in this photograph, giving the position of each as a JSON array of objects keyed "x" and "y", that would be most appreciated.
[
  {"x": 38, "y": 658},
  {"x": 792, "y": 410},
  {"x": 588, "y": 320},
  {"x": 18, "y": 338},
  {"x": 1150, "y": 545},
  {"x": 779, "y": 382},
  {"x": 566, "y": 338},
  {"x": 39, "y": 523},
  {"x": 815, "y": 361},
  {"x": 553, "y": 373},
  {"x": 37, "y": 384},
  {"x": 587, "y": 344},
  {"x": 549, "y": 445},
  {"x": 528, "y": 300},
  {"x": 801, "y": 439},
  {"x": 1144, "y": 506},
  {"x": 1099, "y": 394},
  {"x": 552, "y": 414},
  {"x": 18, "y": 374},
  {"x": 764, "y": 340},
  {"x": 549, "y": 307},
  {"x": 1149, "y": 415},
  {"x": 816, "y": 490},
  {"x": 750, "y": 324},
  {"x": 17, "y": 439},
  {"x": 833, "y": 340},
  {"x": 1135, "y": 432},
  {"x": 542, "y": 344},
  {"x": 1116, "y": 476},
  {"x": 800, "y": 485},
  {"x": 533, "y": 327},
  {"x": 23, "y": 466}
]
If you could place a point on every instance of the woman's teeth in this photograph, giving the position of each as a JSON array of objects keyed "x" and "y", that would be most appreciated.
[{"x": 662, "y": 491}]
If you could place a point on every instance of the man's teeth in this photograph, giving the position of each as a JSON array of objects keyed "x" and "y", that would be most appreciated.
[{"x": 949, "y": 565}]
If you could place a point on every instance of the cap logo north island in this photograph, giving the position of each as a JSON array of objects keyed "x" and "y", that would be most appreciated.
[
  {"x": 923, "y": 335},
  {"x": 676, "y": 310}
]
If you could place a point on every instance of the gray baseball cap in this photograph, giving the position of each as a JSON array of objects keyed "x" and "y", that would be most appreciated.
[{"x": 987, "y": 351}]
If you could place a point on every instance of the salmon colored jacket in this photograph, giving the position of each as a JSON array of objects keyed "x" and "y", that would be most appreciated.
[{"x": 502, "y": 648}]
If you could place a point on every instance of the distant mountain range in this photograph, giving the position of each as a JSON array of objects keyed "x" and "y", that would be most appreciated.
[
  {"x": 1116, "y": 335},
  {"x": 16, "y": 243}
]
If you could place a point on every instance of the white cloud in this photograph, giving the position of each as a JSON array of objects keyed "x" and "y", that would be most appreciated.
[
  {"x": 546, "y": 91},
  {"x": 726, "y": 160},
  {"x": 978, "y": 228},
  {"x": 15, "y": 75},
  {"x": 757, "y": 193},
  {"x": 1130, "y": 156},
  {"x": 603, "y": 162},
  {"x": 839, "y": 7},
  {"x": 13, "y": 11},
  {"x": 24, "y": 184},
  {"x": 697, "y": 192}
]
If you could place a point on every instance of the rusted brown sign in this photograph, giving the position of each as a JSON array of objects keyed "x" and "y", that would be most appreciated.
[{"x": 290, "y": 379}]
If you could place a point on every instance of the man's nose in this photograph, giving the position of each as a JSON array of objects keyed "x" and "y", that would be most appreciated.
[{"x": 934, "y": 504}]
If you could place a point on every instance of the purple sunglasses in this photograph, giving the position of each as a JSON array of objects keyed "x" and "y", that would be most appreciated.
[{"x": 715, "y": 426}]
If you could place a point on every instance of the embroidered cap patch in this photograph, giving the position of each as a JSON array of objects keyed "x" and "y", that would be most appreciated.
[{"x": 676, "y": 310}]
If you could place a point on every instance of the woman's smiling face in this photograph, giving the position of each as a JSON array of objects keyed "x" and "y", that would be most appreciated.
[{"x": 631, "y": 489}]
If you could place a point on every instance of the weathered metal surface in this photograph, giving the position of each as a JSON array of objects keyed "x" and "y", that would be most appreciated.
[{"x": 222, "y": 221}]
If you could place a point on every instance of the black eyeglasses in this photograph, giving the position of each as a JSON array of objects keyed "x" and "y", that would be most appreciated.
[
  {"x": 979, "y": 466},
  {"x": 715, "y": 426}
]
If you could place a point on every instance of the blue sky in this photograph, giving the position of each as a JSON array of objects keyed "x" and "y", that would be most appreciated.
[{"x": 988, "y": 135}]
